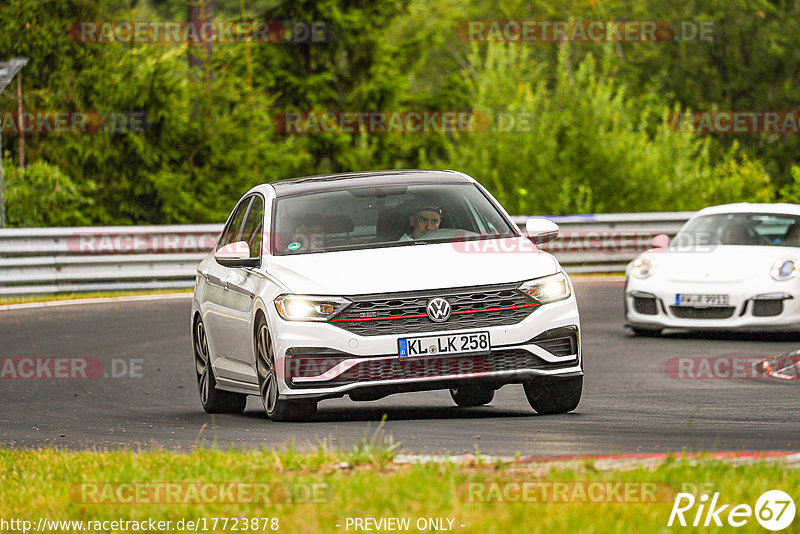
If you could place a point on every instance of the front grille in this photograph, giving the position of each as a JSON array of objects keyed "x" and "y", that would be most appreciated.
[
  {"x": 767, "y": 308},
  {"x": 405, "y": 313},
  {"x": 427, "y": 367},
  {"x": 686, "y": 312},
  {"x": 645, "y": 306}
]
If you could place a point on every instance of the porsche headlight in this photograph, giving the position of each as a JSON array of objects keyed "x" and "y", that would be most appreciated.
[
  {"x": 784, "y": 270},
  {"x": 643, "y": 268},
  {"x": 548, "y": 289},
  {"x": 309, "y": 308}
]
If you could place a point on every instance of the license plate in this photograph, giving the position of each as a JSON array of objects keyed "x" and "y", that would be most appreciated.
[
  {"x": 686, "y": 299},
  {"x": 474, "y": 342}
]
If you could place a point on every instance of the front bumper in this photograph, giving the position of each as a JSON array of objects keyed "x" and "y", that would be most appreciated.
[
  {"x": 770, "y": 307},
  {"x": 319, "y": 360}
]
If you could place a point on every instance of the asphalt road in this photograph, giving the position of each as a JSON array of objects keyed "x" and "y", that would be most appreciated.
[{"x": 148, "y": 396}]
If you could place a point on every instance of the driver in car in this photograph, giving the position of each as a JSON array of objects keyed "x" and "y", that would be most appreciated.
[
  {"x": 737, "y": 233},
  {"x": 423, "y": 220}
]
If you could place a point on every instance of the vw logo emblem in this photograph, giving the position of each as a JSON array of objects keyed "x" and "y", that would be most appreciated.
[{"x": 438, "y": 310}]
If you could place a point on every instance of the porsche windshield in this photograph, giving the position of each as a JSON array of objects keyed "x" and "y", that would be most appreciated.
[
  {"x": 744, "y": 229},
  {"x": 393, "y": 215}
]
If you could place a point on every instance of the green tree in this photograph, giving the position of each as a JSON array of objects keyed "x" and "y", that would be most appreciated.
[
  {"x": 586, "y": 144},
  {"x": 42, "y": 195}
]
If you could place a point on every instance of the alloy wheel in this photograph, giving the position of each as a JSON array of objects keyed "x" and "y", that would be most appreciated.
[
  {"x": 201, "y": 360},
  {"x": 267, "y": 381}
]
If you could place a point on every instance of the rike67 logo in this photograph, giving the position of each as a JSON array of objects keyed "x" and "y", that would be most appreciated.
[{"x": 774, "y": 510}]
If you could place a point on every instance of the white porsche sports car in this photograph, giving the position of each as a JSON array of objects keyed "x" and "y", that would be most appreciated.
[
  {"x": 370, "y": 284},
  {"x": 731, "y": 267}
]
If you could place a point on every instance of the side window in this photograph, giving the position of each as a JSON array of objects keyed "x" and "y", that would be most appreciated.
[
  {"x": 234, "y": 227},
  {"x": 254, "y": 227}
]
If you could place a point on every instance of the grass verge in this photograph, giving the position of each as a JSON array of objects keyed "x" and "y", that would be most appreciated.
[{"x": 317, "y": 491}]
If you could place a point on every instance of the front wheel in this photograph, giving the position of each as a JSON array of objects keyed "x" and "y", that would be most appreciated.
[
  {"x": 277, "y": 409},
  {"x": 212, "y": 399},
  {"x": 550, "y": 395},
  {"x": 471, "y": 395}
]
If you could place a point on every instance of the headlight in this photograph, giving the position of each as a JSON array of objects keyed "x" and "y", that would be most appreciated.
[
  {"x": 548, "y": 288},
  {"x": 309, "y": 308},
  {"x": 643, "y": 267},
  {"x": 784, "y": 270}
]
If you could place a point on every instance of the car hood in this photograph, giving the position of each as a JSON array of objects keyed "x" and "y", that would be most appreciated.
[
  {"x": 410, "y": 268},
  {"x": 725, "y": 263}
]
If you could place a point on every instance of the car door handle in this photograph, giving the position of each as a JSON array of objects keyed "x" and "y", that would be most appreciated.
[
  {"x": 241, "y": 290},
  {"x": 234, "y": 281},
  {"x": 214, "y": 280}
]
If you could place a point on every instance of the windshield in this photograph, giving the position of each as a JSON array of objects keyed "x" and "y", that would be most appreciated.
[
  {"x": 745, "y": 229},
  {"x": 395, "y": 215}
]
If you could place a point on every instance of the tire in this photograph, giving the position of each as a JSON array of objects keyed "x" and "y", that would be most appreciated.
[
  {"x": 549, "y": 395},
  {"x": 471, "y": 395},
  {"x": 277, "y": 409},
  {"x": 646, "y": 332},
  {"x": 213, "y": 400}
]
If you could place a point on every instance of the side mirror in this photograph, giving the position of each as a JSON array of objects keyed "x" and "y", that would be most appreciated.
[
  {"x": 541, "y": 230},
  {"x": 236, "y": 254},
  {"x": 660, "y": 241}
]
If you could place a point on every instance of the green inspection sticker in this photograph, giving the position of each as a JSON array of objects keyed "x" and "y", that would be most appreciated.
[{"x": 294, "y": 245}]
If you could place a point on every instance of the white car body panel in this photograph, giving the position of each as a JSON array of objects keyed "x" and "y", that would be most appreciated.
[{"x": 385, "y": 270}]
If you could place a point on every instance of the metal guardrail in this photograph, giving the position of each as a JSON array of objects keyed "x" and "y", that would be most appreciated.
[
  {"x": 606, "y": 243},
  {"x": 80, "y": 259}
]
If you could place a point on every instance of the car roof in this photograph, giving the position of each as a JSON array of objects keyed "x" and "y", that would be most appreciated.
[
  {"x": 747, "y": 207},
  {"x": 330, "y": 182}
]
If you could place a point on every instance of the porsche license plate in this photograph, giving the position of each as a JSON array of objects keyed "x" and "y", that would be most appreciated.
[
  {"x": 690, "y": 299},
  {"x": 475, "y": 342}
]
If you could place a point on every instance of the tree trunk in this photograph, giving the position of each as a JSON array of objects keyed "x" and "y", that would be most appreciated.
[{"x": 200, "y": 14}]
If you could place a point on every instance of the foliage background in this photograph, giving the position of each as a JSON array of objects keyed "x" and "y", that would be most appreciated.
[{"x": 598, "y": 138}]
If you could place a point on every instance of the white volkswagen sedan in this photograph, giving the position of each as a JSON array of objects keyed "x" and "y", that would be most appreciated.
[
  {"x": 377, "y": 283},
  {"x": 731, "y": 267}
]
